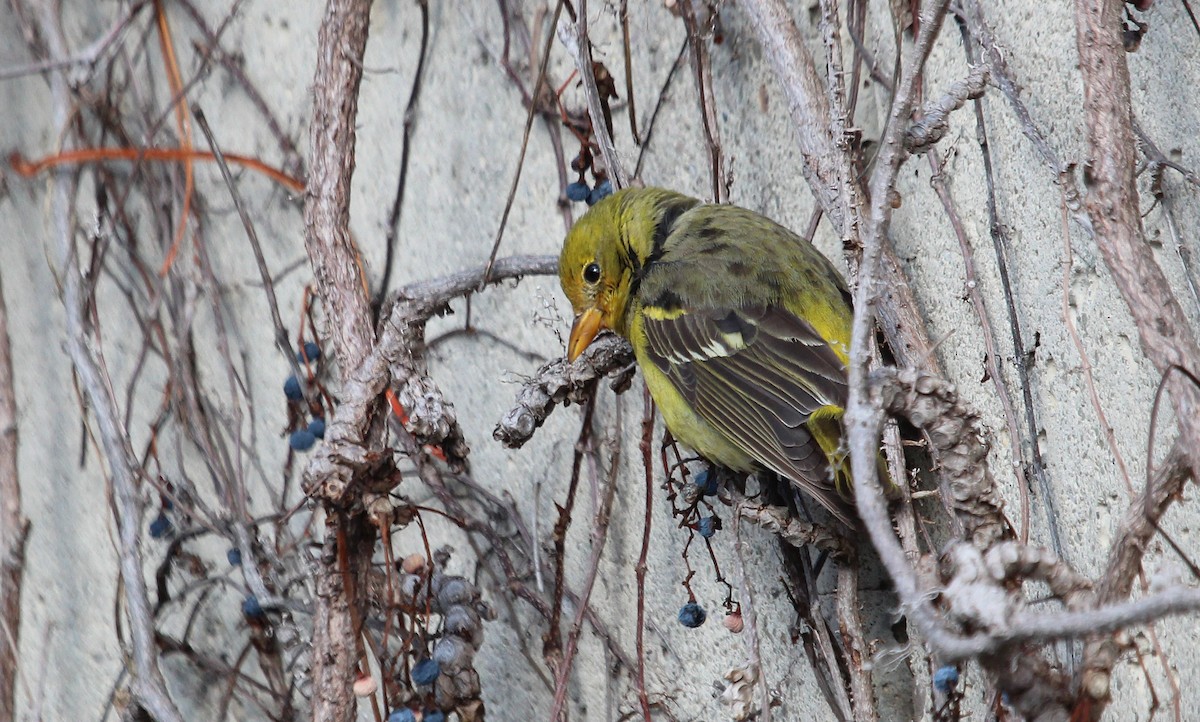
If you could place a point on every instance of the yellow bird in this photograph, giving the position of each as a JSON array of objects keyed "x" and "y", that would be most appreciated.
[{"x": 740, "y": 327}]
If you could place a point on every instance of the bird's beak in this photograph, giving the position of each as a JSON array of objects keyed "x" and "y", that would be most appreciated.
[{"x": 586, "y": 326}]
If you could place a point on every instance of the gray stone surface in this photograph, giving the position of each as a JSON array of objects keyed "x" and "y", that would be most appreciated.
[{"x": 464, "y": 153}]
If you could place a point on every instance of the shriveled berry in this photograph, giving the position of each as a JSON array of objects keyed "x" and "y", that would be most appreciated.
[
  {"x": 706, "y": 481},
  {"x": 707, "y": 526},
  {"x": 402, "y": 715},
  {"x": 692, "y": 615},
  {"x": 365, "y": 686},
  {"x": 453, "y": 653},
  {"x": 578, "y": 191},
  {"x": 302, "y": 440},
  {"x": 292, "y": 390},
  {"x": 413, "y": 563},
  {"x": 309, "y": 350},
  {"x": 734, "y": 622},
  {"x": 601, "y": 191},
  {"x": 426, "y": 672},
  {"x": 160, "y": 527},
  {"x": 251, "y": 607},
  {"x": 316, "y": 427},
  {"x": 234, "y": 555},
  {"x": 945, "y": 678}
]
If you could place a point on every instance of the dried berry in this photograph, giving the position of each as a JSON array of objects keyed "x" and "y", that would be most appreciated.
[
  {"x": 426, "y": 672},
  {"x": 707, "y": 526},
  {"x": 251, "y": 608},
  {"x": 453, "y": 653},
  {"x": 234, "y": 555},
  {"x": 413, "y": 563},
  {"x": 578, "y": 191},
  {"x": 302, "y": 440},
  {"x": 706, "y": 481},
  {"x": 601, "y": 191},
  {"x": 945, "y": 679},
  {"x": 292, "y": 390},
  {"x": 734, "y": 622},
  {"x": 365, "y": 686},
  {"x": 692, "y": 615},
  {"x": 309, "y": 350},
  {"x": 160, "y": 527},
  {"x": 316, "y": 427}
]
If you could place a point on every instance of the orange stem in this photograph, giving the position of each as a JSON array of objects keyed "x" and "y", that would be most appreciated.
[{"x": 81, "y": 156}]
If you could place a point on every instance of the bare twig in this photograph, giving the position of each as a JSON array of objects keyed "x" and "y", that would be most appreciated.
[
  {"x": 574, "y": 37},
  {"x": 281, "y": 335},
  {"x": 1001, "y": 248},
  {"x": 410, "y": 122},
  {"x": 147, "y": 682},
  {"x": 749, "y": 611},
  {"x": 332, "y": 469},
  {"x": 349, "y": 540},
  {"x": 696, "y": 13},
  {"x": 935, "y": 116},
  {"x": 861, "y": 420},
  {"x": 559, "y": 382},
  {"x": 599, "y": 537},
  {"x": 533, "y": 109},
  {"x": 14, "y": 527},
  {"x": 991, "y": 358},
  {"x": 850, "y": 624},
  {"x": 792, "y": 530},
  {"x": 1112, "y": 205}
]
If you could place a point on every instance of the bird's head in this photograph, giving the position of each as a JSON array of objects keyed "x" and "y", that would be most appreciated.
[
  {"x": 594, "y": 274},
  {"x": 605, "y": 253}
]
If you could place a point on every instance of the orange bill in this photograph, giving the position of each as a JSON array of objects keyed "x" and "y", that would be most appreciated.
[{"x": 585, "y": 328}]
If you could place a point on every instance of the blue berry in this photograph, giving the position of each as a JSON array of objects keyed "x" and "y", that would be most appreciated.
[
  {"x": 692, "y": 615},
  {"x": 945, "y": 679},
  {"x": 311, "y": 350},
  {"x": 434, "y": 715},
  {"x": 316, "y": 427},
  {"x": 251, "y": 607},
  {"x": 602, "y": 190},
  {"x": 292, "y": 390},
  {"x": 707, "y": 526},
  {"x": 234, "y": 555},
  {"x": 160, "y": 527},
  {"x": 402, "y": 715},
  {"x": 302, "y": 440},
  {"x": 578, "y": 191},
  {"x": 706, "y": 481},
  {"x": 426, "y": 672}
]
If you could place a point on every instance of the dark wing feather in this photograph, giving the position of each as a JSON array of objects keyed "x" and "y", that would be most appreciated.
[{"x": 756, "y": 375}]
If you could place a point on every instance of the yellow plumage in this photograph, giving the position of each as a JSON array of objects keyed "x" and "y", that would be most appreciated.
[{"x": 740, "y": 327}]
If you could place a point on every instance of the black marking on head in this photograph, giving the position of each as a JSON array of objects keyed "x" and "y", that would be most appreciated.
[
  {"x": 739, "y": 269},
  {"x": 708, "y": 232},
  {"x": 625, "y": 247},
  {"x": 672, "y": 210}
]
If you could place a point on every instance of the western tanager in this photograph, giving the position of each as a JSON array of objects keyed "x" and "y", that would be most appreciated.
[{"x": 740, "y": 327}]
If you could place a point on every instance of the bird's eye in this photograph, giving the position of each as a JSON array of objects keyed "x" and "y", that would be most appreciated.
[{"x": 591, "y": 273}]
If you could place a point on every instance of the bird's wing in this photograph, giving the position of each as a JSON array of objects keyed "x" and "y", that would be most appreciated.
[{"x": 756, "y": 375}]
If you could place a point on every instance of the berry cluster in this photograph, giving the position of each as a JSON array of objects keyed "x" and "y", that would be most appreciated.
[
  {"x": 580, "y": 191},
  {"x": 304, "y": 438}
]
